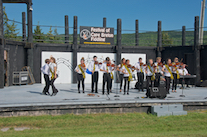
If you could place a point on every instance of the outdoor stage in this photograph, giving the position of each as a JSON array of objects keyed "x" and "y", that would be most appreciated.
[{"x": 28, "y": 100}]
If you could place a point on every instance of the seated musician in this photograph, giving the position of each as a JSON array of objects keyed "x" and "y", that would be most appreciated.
[{"x": 183, "y": 71}]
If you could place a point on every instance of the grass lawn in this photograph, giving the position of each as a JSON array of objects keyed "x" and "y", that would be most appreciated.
[{"x": 107, "y": 125}]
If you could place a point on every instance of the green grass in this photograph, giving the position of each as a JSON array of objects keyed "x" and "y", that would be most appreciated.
[{"x": 110, "y": 125}]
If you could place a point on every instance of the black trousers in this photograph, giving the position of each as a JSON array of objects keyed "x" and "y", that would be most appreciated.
[
  {"x": 140, "y": 78},
  {"x": 94, "y": 81},
  {"x": 121, "y": 76},
  {"x": 106, "y": 79},
  {"x": 47, "y": 83},
  {"x": 149, "y": 83},
  {"x": 80, "y": 78},
  {"x": 111, "y": 83},
  {"x": 168, "y": 80},
  {"x": 174, "y": 85},
  {"x": 157, "y": 79},
  {"x": 126, "y": 82},
  {"x": 54, "y": 90}
]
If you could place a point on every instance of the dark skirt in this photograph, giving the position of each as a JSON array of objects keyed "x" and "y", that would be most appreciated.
[{"x": 79, "y": 77}]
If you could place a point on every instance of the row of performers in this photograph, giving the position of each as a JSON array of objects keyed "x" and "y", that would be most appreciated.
[{"x": 153, "y": 71}]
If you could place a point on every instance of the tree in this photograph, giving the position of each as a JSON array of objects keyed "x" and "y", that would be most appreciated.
[
  {"x": 10, "y": 30},
  {"x": 38, "y": 34},
  {"x": 56, "y": 38},
  {"x": 166, "y": 40},
  {"x": 50, "y": 35}
]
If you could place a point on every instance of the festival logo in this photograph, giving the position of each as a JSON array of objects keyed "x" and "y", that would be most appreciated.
[{"x": 85, "y": 34}]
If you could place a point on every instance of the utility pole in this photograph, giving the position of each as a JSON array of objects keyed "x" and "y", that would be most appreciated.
[{"x": 203, "y": 3}]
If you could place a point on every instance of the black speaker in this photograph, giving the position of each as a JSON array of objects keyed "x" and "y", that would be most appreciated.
[{"x": 157, "y": 92}]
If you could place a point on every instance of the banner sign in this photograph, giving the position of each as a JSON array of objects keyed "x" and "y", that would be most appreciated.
[{"x": 96, "y": 35}]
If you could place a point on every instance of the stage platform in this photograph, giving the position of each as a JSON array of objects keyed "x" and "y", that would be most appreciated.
[{"x": 28, "y": 100}]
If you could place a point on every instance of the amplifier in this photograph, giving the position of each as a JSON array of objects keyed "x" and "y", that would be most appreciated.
[{"x": 158, "y": 92}]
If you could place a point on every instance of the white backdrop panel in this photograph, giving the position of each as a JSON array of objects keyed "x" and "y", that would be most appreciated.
[
  {"x": 89, "y": 57},
  {"x": 133, "y": 59},
  {"x": 64, "y": 70}
]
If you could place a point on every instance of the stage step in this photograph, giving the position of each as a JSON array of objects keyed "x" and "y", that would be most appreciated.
[{"x": 167, "y": 110}]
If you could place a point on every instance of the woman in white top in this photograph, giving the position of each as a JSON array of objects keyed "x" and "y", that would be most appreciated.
[
  {"x": 121, "y": 76},
  {"x": 127, "y": 76},
  {"x": 80, "y": 69},
  {"x": 53, "y": 72}
]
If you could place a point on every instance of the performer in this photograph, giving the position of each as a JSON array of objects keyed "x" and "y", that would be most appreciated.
[
  {"x": 183, "y": 71},
  {"x": 158, "y": 71},
  {"x": 53, "y": 71},
  {"x": 175, "y": 74},
  {"x": 121, "y": 76},
  {"x": 139, "y": 67},
  {"x": 150, "y": 75},
  {"x": 126, "y": 70},
  {"x": 94, "y": 68},
  {"x": 111, "y": 75},
  {"x": 167, "y": 69},
  {"x": 80, "y": 69},
  {"x": 107, "y": 69},
  {"x": 46, "y": 71}
]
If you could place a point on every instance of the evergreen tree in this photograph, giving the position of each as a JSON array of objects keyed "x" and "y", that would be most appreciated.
[
  {"x": 38, "y": 34},
  {"x": 50, "y": 35},
  {"x": 10, "y": 30},
  {"x": 56, "y": 36},
  {"x": 166, "y": 40}
]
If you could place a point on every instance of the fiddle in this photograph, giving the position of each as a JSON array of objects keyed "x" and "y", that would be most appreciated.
[
  {"x": 142, "y": 64},
  {"x": 96, "y": 62},
  {"x": 108, "y": 64}
]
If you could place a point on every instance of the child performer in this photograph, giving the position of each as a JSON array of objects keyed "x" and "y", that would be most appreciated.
[
  {"x": 80, "y": 69},
  {"x": 46, "y": 71}
]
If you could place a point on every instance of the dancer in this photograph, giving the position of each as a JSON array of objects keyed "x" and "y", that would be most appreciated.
[
  {"x": 80, "y": 69},
  {"x": 46, "y": 71},
  {"x": 121, "y": 76},
  {"x": 126, "y": 69},
  {"x": 94, "y": 68},
  {"x": 53, "y": 71}
]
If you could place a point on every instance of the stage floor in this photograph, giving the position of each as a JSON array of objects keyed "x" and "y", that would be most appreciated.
[{"x": 31, "y": 95}]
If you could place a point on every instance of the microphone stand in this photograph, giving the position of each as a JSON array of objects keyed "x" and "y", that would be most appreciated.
[
  {"x": 117, "y": 86},
  {"x": 182, "y": 87}
]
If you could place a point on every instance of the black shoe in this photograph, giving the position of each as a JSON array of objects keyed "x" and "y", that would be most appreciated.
[
  {"x": 91, "y": 91},
  {"x": 96, "y": 92},
  {"x": 83, "y": 91},
  {"x": 102, "y": 93},
  {"x": 124, "y": 93},
  {"x": 43, "y": 93},
  {"x": 53, "y": 94},
  {"x": 79, "y": 92},
  {"x": 127, "y": 93},
  {"x": 48, "y": 93}
]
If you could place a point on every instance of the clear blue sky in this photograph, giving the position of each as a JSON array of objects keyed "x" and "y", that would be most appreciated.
[{"x": 173, "y": 13}]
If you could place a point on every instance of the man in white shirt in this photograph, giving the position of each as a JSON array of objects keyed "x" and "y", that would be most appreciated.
[
  {"x": 149, "y": 76},
  {"x": 106, "y": 69},
  {"x": 140, "y": 73},
  {"x": 94, "y": 68},
  {"x": 46, "y": 71},
  {"x": 183, "y": 71}
]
